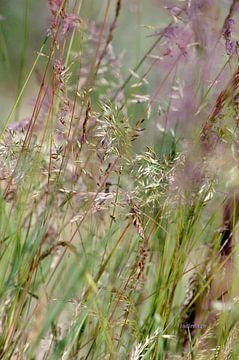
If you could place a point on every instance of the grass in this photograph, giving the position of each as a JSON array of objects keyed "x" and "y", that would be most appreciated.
[{"x": 113, "y": 193}]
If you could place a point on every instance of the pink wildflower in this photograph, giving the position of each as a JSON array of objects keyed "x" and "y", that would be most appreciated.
[
  {"x": 69, "y": 22},
  {"x": 54, "y": 6}
]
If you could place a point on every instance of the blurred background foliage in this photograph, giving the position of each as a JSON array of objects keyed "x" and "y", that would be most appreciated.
[{"x": 24, "y": 24}]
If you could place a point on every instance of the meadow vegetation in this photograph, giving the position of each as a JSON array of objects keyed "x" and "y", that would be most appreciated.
[{"x": 113, "y": 189}]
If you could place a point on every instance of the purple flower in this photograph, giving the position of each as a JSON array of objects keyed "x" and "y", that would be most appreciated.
[
  {"x": 230, "y": 46},
  {"x": 227, "y": 33},
  {"x": 170, "y": 31},
  {"x": 228, "y": 27}
]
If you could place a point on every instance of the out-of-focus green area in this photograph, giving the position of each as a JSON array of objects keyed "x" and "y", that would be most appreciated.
[
  {"x": 24, "y": 24},
  {"x": 22, "y": 29}
]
